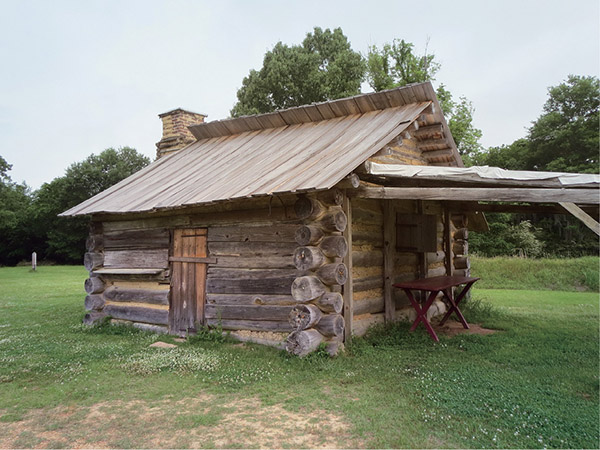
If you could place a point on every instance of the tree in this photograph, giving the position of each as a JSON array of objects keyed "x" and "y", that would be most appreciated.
[
  {"x": 65, "y": 237},
  {"x": 323, "y": 68},
  {"x": 396, "y": 64},
  {"x": 15, "y": 202},
  {"x": 565, "y": 137}
]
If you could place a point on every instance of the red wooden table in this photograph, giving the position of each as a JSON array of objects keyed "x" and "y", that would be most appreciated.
[{"x": 435, "y": 285}]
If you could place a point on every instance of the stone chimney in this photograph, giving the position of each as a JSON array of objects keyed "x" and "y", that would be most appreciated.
[{"x": 175, "y": 130}]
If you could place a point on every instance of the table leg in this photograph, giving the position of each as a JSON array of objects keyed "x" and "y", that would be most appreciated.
[
  {"x": 422, "y": 313},
  {"x": 454, "y": 305}
]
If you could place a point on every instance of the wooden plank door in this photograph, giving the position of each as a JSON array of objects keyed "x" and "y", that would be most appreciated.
[{"x": 188, "y": 280}]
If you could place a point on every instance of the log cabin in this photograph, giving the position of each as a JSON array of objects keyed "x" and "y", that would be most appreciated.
[{"x": 295, "y": 222}]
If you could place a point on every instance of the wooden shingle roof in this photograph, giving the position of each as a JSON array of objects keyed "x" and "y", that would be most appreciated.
[{"x": 306, "y": 148}]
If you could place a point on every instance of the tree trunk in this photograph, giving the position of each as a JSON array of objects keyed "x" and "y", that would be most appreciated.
[
  {"x": 305, "y": 289},
  {"x": 334, "y": 246},
  {"x": 94, "y": 302},
  {"x": 94, "y": 285},
  {"x": 309, "y": 235},
  {"x": 92, "y": 260},
  {"x": 331, "y": 325},
  {"x": 335, "y": 273},
  {"x": 301, "y": 343},
  {"x": 302, "y": 317},
  {"x": 330, "y": 302},
  {"x": 307, "y": 258}
]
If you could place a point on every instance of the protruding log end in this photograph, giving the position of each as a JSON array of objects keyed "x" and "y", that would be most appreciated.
[
  {"x": 334, "y": 246},
  {"x": 308, "y": 235},
  {"x": 307, "y": 288},
  {"x": 331, "y": 197},
  {"x": 335, "y": 220},
  {"x": 93, "y": 260},
  {"x": 308, "y": 208},
  {"x": 304, "y": 316},
  {"x": 301, "y": 343},
  {"x": 336, "y": 273},
  {"x": 330, "y": 302},
  {"x": 93, "y": 285},
  {"x": 94, "y": 318},
  {"x": 94, "y": 302},
  {"x": 331, "y": 325},
  {"x": 307, "y": 258}
]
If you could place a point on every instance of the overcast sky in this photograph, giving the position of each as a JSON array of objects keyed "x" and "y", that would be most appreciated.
[{"x": 77, "y": 77}]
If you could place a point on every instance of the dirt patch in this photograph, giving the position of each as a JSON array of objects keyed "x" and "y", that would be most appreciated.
[
  {"x": 201, "y": 421},
  {"x": 452, "y": 328}
]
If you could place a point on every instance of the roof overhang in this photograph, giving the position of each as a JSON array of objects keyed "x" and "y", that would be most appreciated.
[{"x": 465, "y": 188}]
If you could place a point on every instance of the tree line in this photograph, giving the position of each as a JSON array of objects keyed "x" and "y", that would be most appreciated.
[{"x": 325, "y": 67}]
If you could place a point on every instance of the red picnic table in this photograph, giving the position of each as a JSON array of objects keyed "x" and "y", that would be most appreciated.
[{"x": 435, "y": 285}]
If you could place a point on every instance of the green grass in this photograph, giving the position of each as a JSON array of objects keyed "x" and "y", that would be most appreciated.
[
  {"x": 533, "y": 384},
  {"x": 564, "y": 274}
]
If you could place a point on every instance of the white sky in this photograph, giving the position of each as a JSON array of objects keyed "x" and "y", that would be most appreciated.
[{"x": 77, "y": 77}]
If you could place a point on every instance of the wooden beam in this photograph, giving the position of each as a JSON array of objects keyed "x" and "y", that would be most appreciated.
[
  {"x": 348, "y": 288},
  {"x": 429, "y": 130},
  {"x": 442, "y": 153},
  {"x": 389, "y": 245},
  {"x": 587, "y": 196},
  {"x": 535, "y": 208},
  {"x": 581, "y": 215},
  {"x": 447, "y": 242}
]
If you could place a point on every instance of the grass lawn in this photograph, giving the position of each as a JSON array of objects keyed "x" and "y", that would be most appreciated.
[{"x": 533, "y": 384}]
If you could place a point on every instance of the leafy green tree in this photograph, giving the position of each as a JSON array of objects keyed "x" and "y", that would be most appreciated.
[
  {"x": 323, "y": 68},
  {"x": 16, "y": 239},
  {"x": 396, "y": 64},
  {"x": 65, "y": 236},
  {"x": 565, "y": 138}
]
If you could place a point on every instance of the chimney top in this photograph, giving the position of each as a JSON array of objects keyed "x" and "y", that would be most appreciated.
[{"x": 175, "y": 134}]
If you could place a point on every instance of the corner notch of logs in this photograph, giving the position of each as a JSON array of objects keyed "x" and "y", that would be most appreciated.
[{"x": 316, "y": 318}]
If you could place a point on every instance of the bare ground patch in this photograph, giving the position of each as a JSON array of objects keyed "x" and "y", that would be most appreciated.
[
  {"x": 203, "y": 421},
  {"x": 452, "y": 328}
]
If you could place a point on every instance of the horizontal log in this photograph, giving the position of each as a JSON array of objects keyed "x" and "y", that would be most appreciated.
[
  {"x": 307, "y": 288},
  {"x": 367, "y": 259},
  {"x": 250, "y": 299},
  {"x": 308, "y": 235},
  {"x": 94, "y": 317},
  {"x": 137, "y": 239},
  {"x": 367, "y": 283},
  {"x": 193, "y": 259},
  {"x": 92, "y": 261},
  {"x": 138, "y": 314},
  {"x": 533, "y": 195},
  {"x": 330, "y": 274},
  {"x": 460, "y": 247},
  {"x": 129, "y": 295},
  {"x": 251, "y": 274},
  {"x": 150, "y": 328},
  {"x": 247, "y": 312},
  {"x": 307, "y": 208},
  {"x": 331, "y": 325},
  {"x": 462, "y": 272},
  {"x": 330, "y": 302},
  {"x": 308, "y": 258},
  {"x": 301, "y": 343},
  {"x": 367, "y": 237},
  {"x": 251, "y": 325},
  {"x": 361, "y": 324},
  {"x": 306, "y": 316},
  {"x": 271, "y": 286},
  {"x": 368, "y": 305},
  {"x": 94, "y": 285},
  {"x": 334, "y": 220},
  {"x": 461, "y": 262},
  {"x": 334, "y": 246},
  {"x": 462, "y": 233},
  {"x": 251, "y": 249},
  {"x": 256, "y": 262},
  {"x": 331, "y": 197},
  {"x": 94, "y": 243},
  {"x": 264, "y": 233},
  {"x": 148, "y": 258},
  {"x": 436, "y": 272},
  {"x": 367, "y": 216},
  {"x": 94, "y": 302}
]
